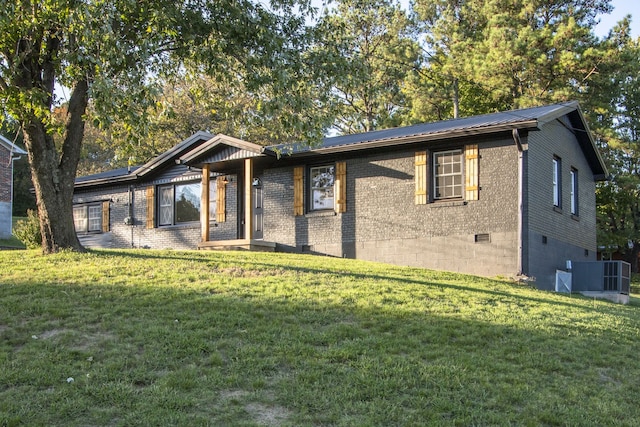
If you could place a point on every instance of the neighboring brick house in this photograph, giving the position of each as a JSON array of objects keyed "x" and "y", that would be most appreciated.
[
  {"x": 502, "y": 194},
  {"x": 9, "y": 152}
]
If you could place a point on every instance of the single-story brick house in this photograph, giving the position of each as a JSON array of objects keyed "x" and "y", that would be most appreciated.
[
  {"x": 510, "y": 193},
  {"x": 9, "y": 152}
]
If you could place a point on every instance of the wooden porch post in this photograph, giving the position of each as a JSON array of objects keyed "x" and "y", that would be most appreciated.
[
  {"x": 248, "y": 199},
  {"x": 204, "y": 203}
]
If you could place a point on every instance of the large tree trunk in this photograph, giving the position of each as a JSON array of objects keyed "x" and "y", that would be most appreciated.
[{"x": 53, "y": 173}]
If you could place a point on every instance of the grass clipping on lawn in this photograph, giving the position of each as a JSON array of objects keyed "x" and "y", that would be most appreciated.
[{"x": 253, "y": 339}]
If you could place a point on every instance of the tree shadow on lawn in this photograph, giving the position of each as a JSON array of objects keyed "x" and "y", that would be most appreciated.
[
  {"x": 323, "y": 363},
  {"x": 572, "y": 300}
]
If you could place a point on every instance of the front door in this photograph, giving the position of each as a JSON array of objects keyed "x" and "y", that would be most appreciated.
[{"x": 258, "y": 201}]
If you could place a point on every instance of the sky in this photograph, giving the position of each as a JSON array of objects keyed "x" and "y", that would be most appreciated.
[{"x": 620, "y": 9}]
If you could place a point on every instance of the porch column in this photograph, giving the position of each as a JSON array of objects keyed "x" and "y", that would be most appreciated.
[
  {"x": 248, "y": 199},
  {"x": 204, "y": 204}
]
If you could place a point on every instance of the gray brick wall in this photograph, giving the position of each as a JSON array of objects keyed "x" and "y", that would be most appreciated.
[
  {"x": 121, "y": 235},
  {"x": 382, "y": 222},
  {"x": 567, "y": 237}
]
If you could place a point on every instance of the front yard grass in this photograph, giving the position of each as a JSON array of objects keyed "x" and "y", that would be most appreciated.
[{"x": 251, "y": 339}]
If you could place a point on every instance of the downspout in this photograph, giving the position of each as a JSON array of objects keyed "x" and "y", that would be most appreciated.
[{"x": 516, "y": 139}]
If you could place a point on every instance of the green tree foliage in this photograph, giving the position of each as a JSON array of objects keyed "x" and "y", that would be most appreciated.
[
  {"x": 498, "y": 54},
  {"x": 443, "y": 87},
  {"x": 110, "y": 52},
  {"x": 367, "y": 50},
  {"x": 615, "y": 112}
]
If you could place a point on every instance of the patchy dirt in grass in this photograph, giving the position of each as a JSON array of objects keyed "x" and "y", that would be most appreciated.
[
  {"x": 263, "y": 414},
  {"x": 82, "y": 342},
  {"x": 46, "y": 335},
  {"x": 241, "y": 272},
  {"x": 268, "y": 415},
  {"x": 233, "y": 394}
]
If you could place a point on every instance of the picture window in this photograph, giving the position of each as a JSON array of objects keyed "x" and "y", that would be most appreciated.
[{"x": 180, "y": 203}]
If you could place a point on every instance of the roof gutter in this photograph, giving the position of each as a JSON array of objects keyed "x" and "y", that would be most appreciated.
[{"x": 109, "y": 181}]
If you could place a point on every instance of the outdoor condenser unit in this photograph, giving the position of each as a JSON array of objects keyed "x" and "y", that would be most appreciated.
[{"x": 601, "y": 276}]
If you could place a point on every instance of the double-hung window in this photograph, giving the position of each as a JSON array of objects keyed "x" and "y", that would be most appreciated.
[
  {"x": 322, "y": 179},
  {"x": 557, "y": 182},
  {"x": 574, "y": 191},
  {"x": 447, "y": 174},
  {"x": 88, "y": 218}
]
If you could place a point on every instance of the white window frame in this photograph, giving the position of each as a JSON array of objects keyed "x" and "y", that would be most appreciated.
[
  {"x": 167, "y": 205},
  {"x": 87, "y": 218},
  {"x": 557, "y": 182},
  {"x": 457, "y": 188},
  {"x": 574, "y": 191},
  {"x": 321, "y": 185}
]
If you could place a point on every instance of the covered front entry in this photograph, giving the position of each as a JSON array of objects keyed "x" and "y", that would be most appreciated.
[{"x": 216, "y": 157}]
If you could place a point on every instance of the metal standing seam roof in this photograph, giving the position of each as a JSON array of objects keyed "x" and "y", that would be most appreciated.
[
  {"x": 115, "y": 173},
  {"x": 170, "y": 154},
  {"x": 528, "y": 117},
  {"x": 134, "y": 172}
]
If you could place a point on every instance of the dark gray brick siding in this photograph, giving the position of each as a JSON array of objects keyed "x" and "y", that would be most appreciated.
[
  {"x": 121, "y": 235},
  {"x": 382, "y": 222},
  {"x": 567, "y": 237}
]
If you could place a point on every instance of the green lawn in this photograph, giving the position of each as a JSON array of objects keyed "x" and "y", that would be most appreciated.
[{"x": 245, "y": 339}]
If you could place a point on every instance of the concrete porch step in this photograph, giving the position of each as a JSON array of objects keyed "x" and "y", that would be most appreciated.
[{"x": 239, "y": 244}]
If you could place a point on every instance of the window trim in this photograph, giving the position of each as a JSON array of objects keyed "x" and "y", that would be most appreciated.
[
  {"x": 556, "y": 180},
  {"x": 574, "y": 195},
  {"x": 310, "y": 188},
  {"x": 86, "y": 207},
  {"x": 434, "y": 175},
  {"x": 159, "y": 206}
]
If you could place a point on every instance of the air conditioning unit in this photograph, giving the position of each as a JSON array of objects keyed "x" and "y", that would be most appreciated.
[{"x": 601, "y": 276}]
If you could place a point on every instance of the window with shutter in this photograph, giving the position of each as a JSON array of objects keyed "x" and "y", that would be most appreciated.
[
  {"x": 447, "y": 174},
  {"x": 91, "y": 217},
  {"x": 322, "y": 186}
]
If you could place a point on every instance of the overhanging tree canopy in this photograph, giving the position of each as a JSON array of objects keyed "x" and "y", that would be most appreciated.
[{"x": 109, "y": 51}]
